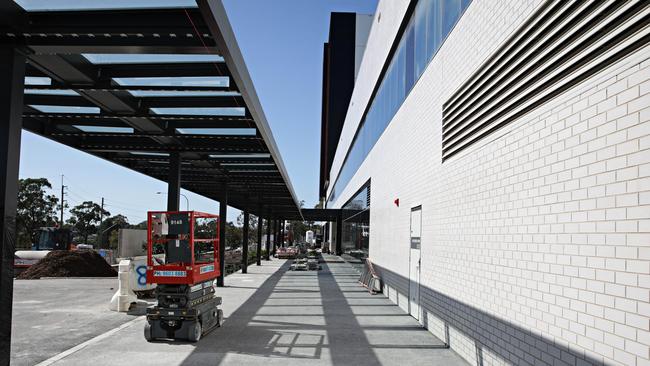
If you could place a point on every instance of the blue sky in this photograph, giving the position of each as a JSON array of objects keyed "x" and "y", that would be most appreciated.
[{"x": 282, "y": 44}]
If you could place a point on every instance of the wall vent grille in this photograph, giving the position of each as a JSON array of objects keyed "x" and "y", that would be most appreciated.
[
  {"x": 368, "y": 196},
  {"x": 561, "y": 45}
]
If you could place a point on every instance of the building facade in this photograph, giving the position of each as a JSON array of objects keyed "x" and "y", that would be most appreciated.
[{"x": 494, "y": 165}]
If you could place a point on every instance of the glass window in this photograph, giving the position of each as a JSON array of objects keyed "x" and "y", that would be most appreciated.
[
  {"x": 430, "y": 24},
  {"x": 373, "y": 126},
  {"x": 420, "y": 28},
  {"x": 410, "y": 58},
  {"x": 392, "y": 83},
  {"x": 355, "y": 241},
  {"x": 379, "y": 104},
  {"x": 450, "y": 13},
  {"x": 433, "y": 27},
  {"x": 465, "y": 4},
  {"x": 401, "y": 93},
  {"x": 384, "y": 105}
]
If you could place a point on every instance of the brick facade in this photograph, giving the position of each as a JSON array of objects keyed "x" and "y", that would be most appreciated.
[{"x": 536, "y": 239}]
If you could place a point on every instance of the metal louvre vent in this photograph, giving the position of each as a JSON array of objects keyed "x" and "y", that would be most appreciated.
[
  {"x": 561, "y": 45},
  {"x": 368, "y": 196}
]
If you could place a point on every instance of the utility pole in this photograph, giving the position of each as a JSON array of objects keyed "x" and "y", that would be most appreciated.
[
  {"x": 101, "y": 219},
  {"x": 62, "y": 200}
]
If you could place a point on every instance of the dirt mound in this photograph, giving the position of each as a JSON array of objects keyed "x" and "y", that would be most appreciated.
[{"x": 61, "y": 263}]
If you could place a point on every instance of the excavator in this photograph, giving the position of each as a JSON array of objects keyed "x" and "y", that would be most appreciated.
[{"x": 44, "y": 240}]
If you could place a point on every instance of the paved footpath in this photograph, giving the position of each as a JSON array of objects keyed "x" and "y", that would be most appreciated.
[{"x": 279, "y": 317}]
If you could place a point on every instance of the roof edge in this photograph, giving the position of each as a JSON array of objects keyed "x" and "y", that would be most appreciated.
[{"x": 214, "y": 14}]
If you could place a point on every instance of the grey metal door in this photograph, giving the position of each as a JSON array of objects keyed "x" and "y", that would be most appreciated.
[{"x": 414, "y": 262}]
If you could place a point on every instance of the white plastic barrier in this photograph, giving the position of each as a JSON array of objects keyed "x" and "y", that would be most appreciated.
[
  {"x": 131, "y": 276},
  {"x": 138, "y": 275}
]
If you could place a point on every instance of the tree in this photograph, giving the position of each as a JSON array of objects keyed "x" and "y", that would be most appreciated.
[
  {"x": 85, "y": 218},
  {"x": 252, "y": 226},
  {"x": 142, "y": 225},
  {"x": 111, "y": 226},
  {"x": 298, "y": 228},
  {"x": 233, "y": 235},
  {"x": 35, "y": 208}
]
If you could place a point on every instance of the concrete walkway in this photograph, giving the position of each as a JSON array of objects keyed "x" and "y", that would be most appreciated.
[
  {"x": 52, "y": 315},
  {"x": 278, "y": 317}
]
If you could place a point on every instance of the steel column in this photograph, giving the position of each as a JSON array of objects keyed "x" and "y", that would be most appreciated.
[
  {"x": 12, "y": 76},
  {"x": 276, "y": 228},
  {"x": 268, "y": 239},
  {"x": 326, "y": 232},
  {"x": 244, "y": 249},
  {"x": 223, "y": 218},
  {"x": 174, "y": 182},
  {"x": 260, "y": 226},
  {"x": 282, "y": 222},
  {"x": 339, "y": 233}
]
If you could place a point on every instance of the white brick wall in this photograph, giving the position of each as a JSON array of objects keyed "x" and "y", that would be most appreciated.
[{"x": 536, "y": 240}]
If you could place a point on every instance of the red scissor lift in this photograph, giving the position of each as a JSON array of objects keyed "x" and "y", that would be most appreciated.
[{"x": 183, "y": 261}]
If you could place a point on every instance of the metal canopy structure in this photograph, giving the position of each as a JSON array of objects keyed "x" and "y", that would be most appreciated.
[
  {"x": 322, "y": 214},
  {"x": 163, "y": 91},
  {"x": 140, "y": 86}
]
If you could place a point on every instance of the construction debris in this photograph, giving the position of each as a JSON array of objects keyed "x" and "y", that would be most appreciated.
[{"x": 60, "y": 263}]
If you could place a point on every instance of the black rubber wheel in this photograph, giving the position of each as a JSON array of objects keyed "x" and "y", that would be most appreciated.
[
  {"x": 147, "y": 332},
  {"x": 219, "y": 318},
  {"x": 196, "y": 332}
]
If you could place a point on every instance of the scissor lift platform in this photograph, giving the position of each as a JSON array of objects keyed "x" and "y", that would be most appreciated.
[{"x": 183, "y": 260}]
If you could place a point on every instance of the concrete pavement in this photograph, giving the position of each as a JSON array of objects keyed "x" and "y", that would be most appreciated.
[
  {"x": 52, "y": 315},
  {"x": 279, "y": 317}
]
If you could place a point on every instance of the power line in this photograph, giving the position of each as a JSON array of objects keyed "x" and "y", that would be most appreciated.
[{"x": 133, "y": 208}]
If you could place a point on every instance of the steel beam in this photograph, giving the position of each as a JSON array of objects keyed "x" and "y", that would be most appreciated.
[
  {"x": 175, "y": 69},
  {"x": 11, "y": 105},
  {"x": 106, "y": 85}
]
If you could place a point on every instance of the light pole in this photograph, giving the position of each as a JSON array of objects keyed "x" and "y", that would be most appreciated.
[{"x": 184, "y": 196}]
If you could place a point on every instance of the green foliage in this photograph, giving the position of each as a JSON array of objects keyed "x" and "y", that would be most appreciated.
[
  {"x": 85, "y": 218},
  {"x": 108, "y": 230},
  {"x": 141, "y": 226},
  {"x": 252, "y": 221},
  {"x": 113, "y": 239},
  {"x": 35, "y": 209},
  {"x": 234, "y": 235}
]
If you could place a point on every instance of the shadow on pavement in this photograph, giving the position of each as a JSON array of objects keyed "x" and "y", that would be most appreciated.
[{"x": 282, "y": 323}]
